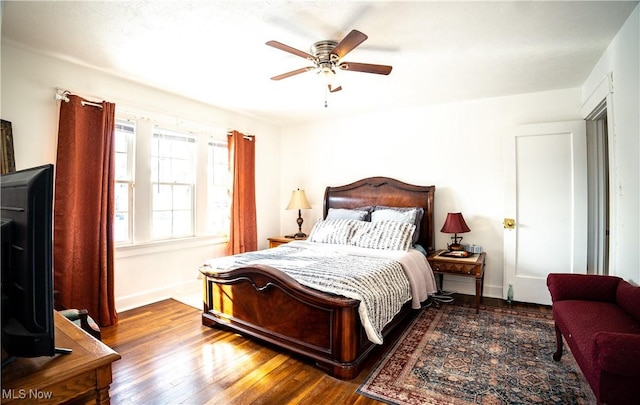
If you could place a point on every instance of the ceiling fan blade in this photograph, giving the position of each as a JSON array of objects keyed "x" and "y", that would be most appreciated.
[
  {"x": 366, "y": 68},
  {"x": 348, "y": 43},
  {"x": 293, "y": 73},
  {"x": 332, "y": 90},
  {"x": 289, "y": 49}
]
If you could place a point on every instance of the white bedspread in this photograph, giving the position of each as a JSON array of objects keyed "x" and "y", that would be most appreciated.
[{"x": 345, "y": 270}]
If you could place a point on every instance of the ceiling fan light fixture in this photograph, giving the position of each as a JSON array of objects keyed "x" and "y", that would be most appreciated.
[{"x": 327, "y": 74}]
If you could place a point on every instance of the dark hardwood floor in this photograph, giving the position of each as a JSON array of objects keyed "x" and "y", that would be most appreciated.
[{"x": 168, "y": 357}]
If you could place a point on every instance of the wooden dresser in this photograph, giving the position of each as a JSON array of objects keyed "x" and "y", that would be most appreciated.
[{"x": 82, "y": 376}]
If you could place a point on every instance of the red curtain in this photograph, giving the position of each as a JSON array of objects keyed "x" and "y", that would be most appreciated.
[
  {"x": 84, "y": 209},
  {"x": 243, "y": 236}
]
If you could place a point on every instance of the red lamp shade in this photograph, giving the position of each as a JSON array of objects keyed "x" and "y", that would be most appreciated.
[{"x": 455, "y": 224}]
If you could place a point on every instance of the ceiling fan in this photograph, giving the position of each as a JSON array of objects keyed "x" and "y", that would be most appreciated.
[{"x": 326, "y": 57}]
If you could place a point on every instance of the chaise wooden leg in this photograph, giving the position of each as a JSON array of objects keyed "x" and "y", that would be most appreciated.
[{"x": 558, "y": 354}]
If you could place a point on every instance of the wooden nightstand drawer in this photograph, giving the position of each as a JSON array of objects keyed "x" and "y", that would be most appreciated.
[{"x": 457, "y": 268}]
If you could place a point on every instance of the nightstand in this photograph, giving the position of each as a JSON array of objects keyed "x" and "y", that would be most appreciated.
[
  {"x": 280, "y": 240},
  {"x": 472, "y": 266}
]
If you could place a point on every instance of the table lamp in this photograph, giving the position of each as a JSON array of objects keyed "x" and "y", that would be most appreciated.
[
  {"x": 455, "y": 224},
  {"x": 299, "y": 202}
]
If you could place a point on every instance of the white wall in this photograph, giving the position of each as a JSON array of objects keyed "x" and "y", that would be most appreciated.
[
  {"x": 457, "y": 147},
  {"x": 153, "y": 272},
  {"x": 622, "y": 59}
]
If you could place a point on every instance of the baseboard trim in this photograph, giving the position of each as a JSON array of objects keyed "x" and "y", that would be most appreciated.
[
  {"x": 150, "y": 296},
  {"x": 467, "y": 285}
]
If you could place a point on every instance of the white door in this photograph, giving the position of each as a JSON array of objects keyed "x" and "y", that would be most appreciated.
[{"x": 546, "y": 195}]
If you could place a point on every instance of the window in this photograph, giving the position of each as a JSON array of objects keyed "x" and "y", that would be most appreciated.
[
  {"x": 173, "y": 180},
  {"x": 125, "y": 132},
  {"x": 218, "y": 198}
]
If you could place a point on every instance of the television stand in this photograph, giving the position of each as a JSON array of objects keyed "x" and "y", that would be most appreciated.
[
  {"x": 11, "y": 359},
  {"x": 80, "y": 376}
]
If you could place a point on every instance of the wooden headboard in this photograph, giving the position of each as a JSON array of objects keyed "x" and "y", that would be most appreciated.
[{"x": 389, "y": 192}]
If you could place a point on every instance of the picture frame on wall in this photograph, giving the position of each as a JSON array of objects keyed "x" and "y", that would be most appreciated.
[{"x": 6, "y": 148}]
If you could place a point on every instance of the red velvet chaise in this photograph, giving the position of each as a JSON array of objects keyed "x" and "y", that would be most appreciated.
[{"x": 599, "y": 317}]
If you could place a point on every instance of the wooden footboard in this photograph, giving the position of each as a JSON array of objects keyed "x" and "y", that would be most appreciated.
[{"x": 266, "y": 303}]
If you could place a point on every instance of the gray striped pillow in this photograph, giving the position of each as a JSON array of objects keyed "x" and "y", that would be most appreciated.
[
  {"x": 385, "y": 235},
  {"x": 336, "y": 231}
]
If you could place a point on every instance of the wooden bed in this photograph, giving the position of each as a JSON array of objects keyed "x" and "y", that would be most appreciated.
[{"x": 265, "y": 303}]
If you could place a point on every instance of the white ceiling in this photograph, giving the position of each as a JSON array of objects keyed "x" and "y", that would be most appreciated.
[{"x": 215, "y": 52}]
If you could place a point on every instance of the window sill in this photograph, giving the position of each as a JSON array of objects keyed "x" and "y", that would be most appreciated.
[{"x": 146, "y": 248}]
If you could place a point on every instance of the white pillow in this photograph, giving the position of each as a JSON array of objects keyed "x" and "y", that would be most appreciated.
[
  {"x": 385, "y": 235},
  {"x": 403, "y": 214},
  {"x": 343, "y": 213},
  {"x": 336, "y": 231},
  {"x": 408, "y": 216}
]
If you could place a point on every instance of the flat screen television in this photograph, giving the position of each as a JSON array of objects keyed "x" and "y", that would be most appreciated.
[{"x": 26, "y": 199}]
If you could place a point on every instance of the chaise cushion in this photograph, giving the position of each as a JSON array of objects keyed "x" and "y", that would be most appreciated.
[
  {"x": 628, "y": 298},
  {"x": 581, "y": 321},
  {"x": 618, "y": 353}
]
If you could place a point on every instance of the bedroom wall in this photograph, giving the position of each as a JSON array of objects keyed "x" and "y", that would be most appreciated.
[
  {"x": 622, "y": 59},
  {"x": 155, "y": 271},
  {"x": 457, "y": 147}
]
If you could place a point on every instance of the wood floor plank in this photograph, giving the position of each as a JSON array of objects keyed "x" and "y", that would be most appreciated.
[{"x": 168, "y": 357}]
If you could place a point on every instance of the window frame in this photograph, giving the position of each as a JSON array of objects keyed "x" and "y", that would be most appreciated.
[
  {"x": 191, "y": 184},
  {"x": 142, "y": 239},
  {"x": 130, "y": 179},
  {"x": 211, "y": 182}
]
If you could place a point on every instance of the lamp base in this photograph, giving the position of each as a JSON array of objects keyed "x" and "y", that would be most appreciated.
[
  {"x": 299, "y": 235},
  {"x": 456, "y": 247}
]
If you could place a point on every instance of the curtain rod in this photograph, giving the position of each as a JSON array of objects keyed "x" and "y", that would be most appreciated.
[
  {"x": 248, "y": 137},
  {"x": 64, "y": 97},
  {"x": 154, "y": 112}
]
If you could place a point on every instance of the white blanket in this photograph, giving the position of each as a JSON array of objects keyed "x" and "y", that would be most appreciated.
[{"x": 414, "y": 263}]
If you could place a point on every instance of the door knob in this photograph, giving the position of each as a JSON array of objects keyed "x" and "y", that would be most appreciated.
[{"x": 509, "y": 223}]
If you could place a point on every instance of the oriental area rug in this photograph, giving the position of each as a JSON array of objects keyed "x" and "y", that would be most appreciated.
[{"x": 452, "y": 356}]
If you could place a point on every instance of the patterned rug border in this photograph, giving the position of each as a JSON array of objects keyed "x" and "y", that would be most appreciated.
[{"x": 415, "y": 335}]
